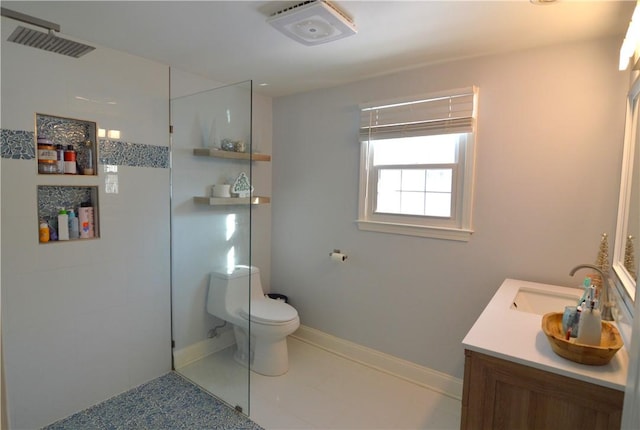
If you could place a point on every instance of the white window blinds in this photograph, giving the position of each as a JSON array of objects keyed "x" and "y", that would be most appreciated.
[{"x": 452, "y": 111}]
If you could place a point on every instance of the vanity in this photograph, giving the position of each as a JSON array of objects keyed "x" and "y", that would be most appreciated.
[{"x": 513, "y": 380}]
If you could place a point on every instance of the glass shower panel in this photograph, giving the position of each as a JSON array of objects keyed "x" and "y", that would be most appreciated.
[{"x": 210, "y": 236}]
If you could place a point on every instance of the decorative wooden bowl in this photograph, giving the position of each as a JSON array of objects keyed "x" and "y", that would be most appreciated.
[{"x": 610, "y": 342}]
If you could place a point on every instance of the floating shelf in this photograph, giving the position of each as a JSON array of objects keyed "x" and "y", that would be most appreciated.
[
  {"x": 229, "y": 201},
  {"x": 218, "y": 153}
]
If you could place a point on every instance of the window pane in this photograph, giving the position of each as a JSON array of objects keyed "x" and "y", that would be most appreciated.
[
  {"x": 388, "y": 202},
  {"x": 423, "y": 192},
  {"x": 439, "y": 149},
  {"x": 439, "y": 180},
  {"x": 413, "y": 179},
  {"x": 389, "y": 180},
  {"x": 438, "y": 204},
  {"x": 412, "y": 203}
]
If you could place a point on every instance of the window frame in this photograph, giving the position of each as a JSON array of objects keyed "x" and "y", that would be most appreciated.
[{"x": 457, "y": 228}]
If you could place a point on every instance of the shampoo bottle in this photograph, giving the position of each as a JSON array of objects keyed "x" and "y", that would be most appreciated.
[
  {"x": 85, "y": 216},
  {"x": 44, "y": 231},
  {"x": 74, "y": 230},
  {"x": 590, "y": 325},
  {"x": 63, "y": 225}
]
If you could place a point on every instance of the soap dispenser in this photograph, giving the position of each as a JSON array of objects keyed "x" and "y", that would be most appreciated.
[{"x": 590, "y": 325}]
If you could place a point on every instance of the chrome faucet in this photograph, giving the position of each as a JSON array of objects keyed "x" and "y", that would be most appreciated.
[{"x": 605, "y": 303}]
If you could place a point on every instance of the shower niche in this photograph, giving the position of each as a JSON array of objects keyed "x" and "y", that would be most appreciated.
[{"x": 67, "y": 160}]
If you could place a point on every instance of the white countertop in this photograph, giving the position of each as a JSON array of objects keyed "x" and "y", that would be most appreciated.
[{"x": 520, "y": 339}]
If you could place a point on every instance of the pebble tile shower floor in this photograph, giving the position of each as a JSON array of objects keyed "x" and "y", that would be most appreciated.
[{"x": 169, "y": 402}]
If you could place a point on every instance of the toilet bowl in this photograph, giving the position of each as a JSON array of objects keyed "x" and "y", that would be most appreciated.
[{"x": 260, "y": 325}]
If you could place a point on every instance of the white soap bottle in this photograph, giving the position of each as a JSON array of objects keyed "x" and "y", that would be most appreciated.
[
  {"x": 63, "y": 225},
  {"x": 590, "y": 325}
]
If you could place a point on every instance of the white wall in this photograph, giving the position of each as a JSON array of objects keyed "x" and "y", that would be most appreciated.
[
  {"x": 84, "y": 321},
  {"x": 549, "y": 143}
]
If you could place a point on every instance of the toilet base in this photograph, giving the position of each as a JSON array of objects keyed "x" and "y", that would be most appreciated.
[{"x": 268, "y": 358}]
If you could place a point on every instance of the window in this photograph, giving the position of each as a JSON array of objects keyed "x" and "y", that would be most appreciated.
[{"x": 416, "y": 169}]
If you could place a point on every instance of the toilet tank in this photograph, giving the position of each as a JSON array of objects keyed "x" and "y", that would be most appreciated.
[{"x": 228, "y": 291}]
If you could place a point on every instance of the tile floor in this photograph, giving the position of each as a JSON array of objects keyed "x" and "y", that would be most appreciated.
[
  {"x": 169, "y": 402},
  {"x": 325, "y": 391}
]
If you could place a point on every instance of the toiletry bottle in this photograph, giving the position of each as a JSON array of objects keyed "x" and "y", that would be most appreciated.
[
  {"x": 44, "y": 231},
  {"x": 74, "y": 231},
  {"x": 590, "y": 325},
  {"x": 85, "y": 216},
  {"x": 63, "y": 225},
  {"x": 60, "y": 159},
  {"x": 70, "y": 160},
  {"x": 53, "y": 234},
  {"x": 87, "y": 168}
]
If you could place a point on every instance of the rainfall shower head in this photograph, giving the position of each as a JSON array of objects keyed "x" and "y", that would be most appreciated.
[{"x": 47, "y": 41}]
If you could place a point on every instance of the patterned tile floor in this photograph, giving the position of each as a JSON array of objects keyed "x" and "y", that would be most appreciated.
[{"x": 170, "y": 402}]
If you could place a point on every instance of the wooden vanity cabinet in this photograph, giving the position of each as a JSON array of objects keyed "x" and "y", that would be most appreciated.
[{"x": 500, "y": 394}]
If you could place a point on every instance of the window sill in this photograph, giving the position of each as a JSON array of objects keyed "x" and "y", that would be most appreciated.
[{"x": 446, "y": 233}]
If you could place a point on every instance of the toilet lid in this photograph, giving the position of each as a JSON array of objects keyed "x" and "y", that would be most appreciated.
[{"x": 269, "y": 311}]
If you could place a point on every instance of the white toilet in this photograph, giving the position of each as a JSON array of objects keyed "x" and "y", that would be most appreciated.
[{"x": 271, "y": 320}]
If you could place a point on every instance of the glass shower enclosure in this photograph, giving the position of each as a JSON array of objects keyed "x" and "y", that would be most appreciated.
[{"x": 211, "y": 172}]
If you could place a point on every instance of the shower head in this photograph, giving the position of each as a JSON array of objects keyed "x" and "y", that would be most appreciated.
[{"x": 47, "y": 41}]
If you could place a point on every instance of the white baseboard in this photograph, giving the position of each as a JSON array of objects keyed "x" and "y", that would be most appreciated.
[
  {"x": 194, "y": 352},
  {"x": 429, "y": 378}
]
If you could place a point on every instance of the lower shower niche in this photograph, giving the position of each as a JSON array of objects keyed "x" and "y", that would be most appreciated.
[{"x": 79, "y": 203}]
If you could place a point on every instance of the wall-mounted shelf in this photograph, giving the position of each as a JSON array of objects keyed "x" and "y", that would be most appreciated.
[
  {"x": 218, "y": 153},
  {"x": 229, "y": 201}
]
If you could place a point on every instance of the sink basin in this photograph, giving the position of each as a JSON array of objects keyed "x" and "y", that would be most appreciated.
[{"x": 541, "y": 302}]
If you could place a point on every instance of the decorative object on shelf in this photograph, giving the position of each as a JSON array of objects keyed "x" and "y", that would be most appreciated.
[
  {"x": 629, "y": 257},
  {"x": 233, "y": 145},
  {"x": 227, "y": 145},
  {"x": 240, "y": 146},
  {"x": 213, "y": 134},
  {"x": 241, "y": 186},
  {"x": 610, "y": 342}
]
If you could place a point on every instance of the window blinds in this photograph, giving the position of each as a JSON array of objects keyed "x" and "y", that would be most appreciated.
[{"x": 448, "y": 112}]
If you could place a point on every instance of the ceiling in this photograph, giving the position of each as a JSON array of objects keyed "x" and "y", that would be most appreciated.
[{"x": 230, "y": 41}]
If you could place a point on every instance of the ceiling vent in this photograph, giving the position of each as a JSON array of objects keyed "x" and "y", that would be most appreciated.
[{"x": 313, "y": 22}]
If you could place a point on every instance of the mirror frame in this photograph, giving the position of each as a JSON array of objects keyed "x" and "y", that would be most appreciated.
[{"x": 627, "y": 284}]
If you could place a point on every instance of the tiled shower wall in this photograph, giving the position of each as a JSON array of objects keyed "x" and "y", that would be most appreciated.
[{"x": 83, "y": 321}]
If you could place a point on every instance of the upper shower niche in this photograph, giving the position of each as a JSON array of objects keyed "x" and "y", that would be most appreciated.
[{"x": 75, "y": 138}]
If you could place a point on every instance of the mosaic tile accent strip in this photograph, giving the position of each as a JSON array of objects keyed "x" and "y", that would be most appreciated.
[
  {"x": 17, "y": 144},
  {"x": 133, "y": 154},
  {"x": 52, "y": 198},
  {"x": 20, "y": 145},
  {"x": 168, "y": 402}
]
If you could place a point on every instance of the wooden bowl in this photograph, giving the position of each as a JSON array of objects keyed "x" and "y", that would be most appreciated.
[{"x": 610, "y": 342}]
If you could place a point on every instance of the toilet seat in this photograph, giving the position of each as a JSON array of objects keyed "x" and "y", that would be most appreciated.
[{"x": 267, "y": 311}]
